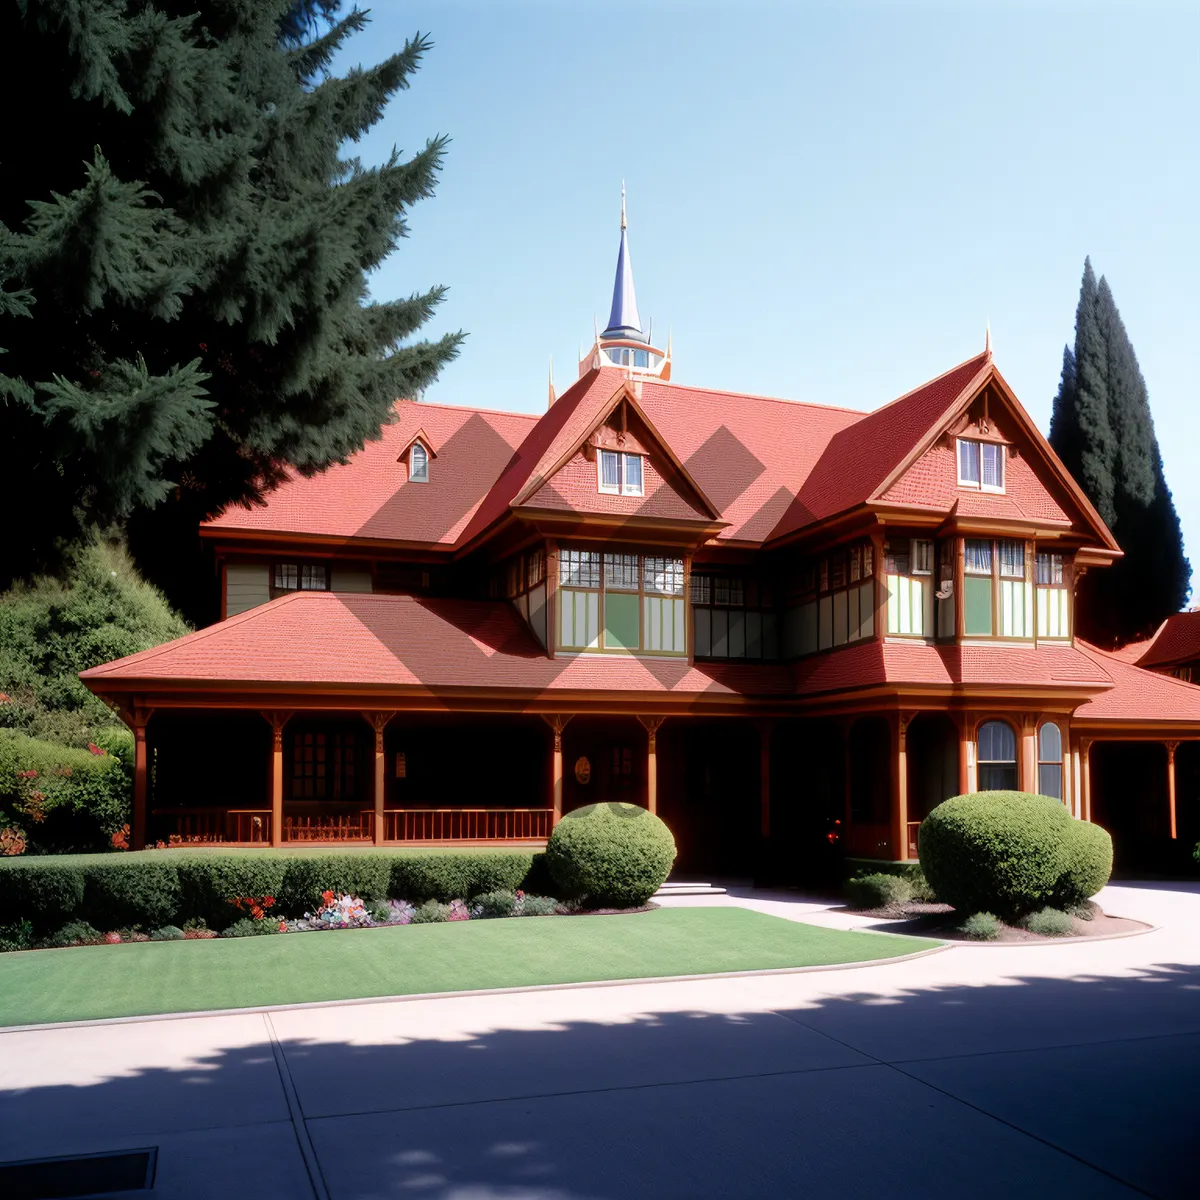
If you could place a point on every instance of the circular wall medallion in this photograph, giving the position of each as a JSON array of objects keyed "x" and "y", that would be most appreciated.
[{"x": 583, "y": 769}]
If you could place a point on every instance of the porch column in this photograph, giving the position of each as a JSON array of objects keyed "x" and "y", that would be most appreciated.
[
  {"x": 899, "y": 724},
  {"x": 964, "y": 754},
  {"x": 278, "y": 720},
  {"x": 1085, "y": 770},
  {"x": 557, "y": 722},
  {"x": 652, "y": 724},
  {"x": 141, "y": 717},
  {"x": 1171, "y": 748},
  {"x": 378, "y": 722},
  {"x": 1029, "y": 753},
  {"x": 765, "y": 730}
]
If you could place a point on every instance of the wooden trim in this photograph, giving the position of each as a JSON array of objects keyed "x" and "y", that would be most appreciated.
[
  {"x": 1171, "y": 748},
  {"x": 651, "y": 725},
  {"x": 898, "y": 723},
  {"x": 140, "y": 777},
  {"x": 378, "y": 721},
  {"x": 277, "y": 720},
  {"x": 557, "y": 722}
]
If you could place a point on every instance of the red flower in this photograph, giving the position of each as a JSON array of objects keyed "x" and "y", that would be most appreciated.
[
  {"x": 27, "y": 774},
  {"x": 113, "y": 939},
  {"x": 267, "y": 901},
  {"x": 283, "y": 927},
  {"x": 95, "y": 749},
  {"x": 327, "y": 897}
]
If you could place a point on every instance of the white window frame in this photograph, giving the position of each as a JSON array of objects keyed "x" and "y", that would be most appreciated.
[
  {"x": 978, "y": 447},
  {"x": 925, "y": 555},
  {"x": 622, "y": 487},
  {"x": 418, "y": 474},
  {"x": 608, "y": 489}
]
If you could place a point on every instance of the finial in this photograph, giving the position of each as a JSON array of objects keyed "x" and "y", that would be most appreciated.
[
  {"x": 553, "y": 397},
  {"x": 622, "y": 204},
  {"x": 670, "y": 333},
  {"x": 987, "y": 340}
]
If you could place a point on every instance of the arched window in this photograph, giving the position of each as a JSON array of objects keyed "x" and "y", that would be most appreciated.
[
  {"x": 1050, "y": 761},
  {"x": 418, "y": 464},
  {"x": 997, "y": 757}
]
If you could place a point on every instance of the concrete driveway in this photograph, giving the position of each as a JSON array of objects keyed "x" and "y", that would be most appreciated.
[{"x": 1030, "y": 1071}]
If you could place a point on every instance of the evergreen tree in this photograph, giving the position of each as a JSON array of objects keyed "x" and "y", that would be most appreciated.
[
  {"x": 1103, "y": 431},
  {"x": 184, "y": 250}
]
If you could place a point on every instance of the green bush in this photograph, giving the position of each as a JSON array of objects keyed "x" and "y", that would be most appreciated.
[
  {"x": 1002, "y": 851},
  {"x": 981, "y": 927},
  {"x": 1050, "y": 922},
  {"x": 144, "y": 892},
  {"x": 16, "y": 935},
  {"x": 540, "y": 906},
  {"x": 45, "y": 891},
  {"x": 878, "y": 890},
  {"x": 75, "y": 933},
  {"x": 430, "y": 913},
  {"x": 456, "y": 876},
  {"x": 1090, "y": 852},
  {"x": 350, "y": 874},
  {"x": 611, "y": 854},
  {"x": 65, "y": 800},
  {"x": 496, "y": 904},
  {"x": 248, "y": 927},
  {"x": 167, "y": 933}
]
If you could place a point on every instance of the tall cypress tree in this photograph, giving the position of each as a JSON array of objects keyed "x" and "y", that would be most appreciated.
[
  {"x": 1102, "y": 429},
  {"x": 184, "y": 251}
]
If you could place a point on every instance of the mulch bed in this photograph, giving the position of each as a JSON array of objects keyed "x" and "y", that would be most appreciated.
[{"x": 918, "y": 919}]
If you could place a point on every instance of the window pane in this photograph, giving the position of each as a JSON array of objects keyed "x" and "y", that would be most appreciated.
[
  {"x": 633, "y": 474},
  {"x": 621, "y": 572},
  {"x": 1012, "y": 560},
  {"x": 897, "y": 558},
  {"x": 420, "y": 462},
  {"x": 997, "y": 743},
  {"x": 978, "y": 556},
  {"x": 1050, "y": 749},
  {"x": 1050, "y": 780},
  {"x": 579, "y": 568},
  {"x": 536, "y": 568},
  {"x": 838, "y": 563},
  {"x": 997, "y": 777},
  {"x": 286, "y": 576},
  {"x": 702, "y": 589},
  {"x": 1049, "y": 569},
  {"x": 868, "y": 560},
  {"x": 664, "y": 575},
  {"x": 610, "y": 470},
  {"x": 968, "y": 462},
  {"x": 993, "y": 465},
  {"x": 922, "y": 551},
  {"x": 312, "y": 578},
  {"x": 824, "y": 581},
  {"x": 855, "y": 564}
]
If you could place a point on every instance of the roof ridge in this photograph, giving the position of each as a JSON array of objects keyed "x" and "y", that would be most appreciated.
[
  {"x": 929, "y": 383},
  {"x": 494, "y": 412},
  {"x": 690, "y": 387}
]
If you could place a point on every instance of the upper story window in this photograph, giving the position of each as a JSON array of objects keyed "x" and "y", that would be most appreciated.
[
  {"x": 734, "y": 617},
  {"x": 1049, "y": 569},
  {"x": 981, "y": 465},
  {"x": 618, "y": 473},
  {"x": 908, "y": 563},
  {"x": 299, "y": 577},
  {"x": 418, "y": 463},
  {"x": 997, "y": 595}
]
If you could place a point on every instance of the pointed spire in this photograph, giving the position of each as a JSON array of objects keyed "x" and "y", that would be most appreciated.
[
  {"x": 552, "y": 397},
  {"x": 623, "y": 320},
  {"x": 987, "y": 340}
]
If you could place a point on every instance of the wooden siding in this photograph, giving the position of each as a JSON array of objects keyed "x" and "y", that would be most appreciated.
[
  {"x": 247, "y": 585},
  {"x": 342, "y": 579}
]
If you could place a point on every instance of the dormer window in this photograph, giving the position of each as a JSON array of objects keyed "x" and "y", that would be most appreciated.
[
  {"x": 619, "y": 474},
  {"x": 418, "y": 463},
  {"x": 981, "y": 465}
]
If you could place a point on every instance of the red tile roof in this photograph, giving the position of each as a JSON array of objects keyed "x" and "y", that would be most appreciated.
[
  {"x": 370, "y": 497},
  {"x": 378, "y": 641},
  {"x": 1139, "y": 695},
  {"x": 1177, "y": 640}
]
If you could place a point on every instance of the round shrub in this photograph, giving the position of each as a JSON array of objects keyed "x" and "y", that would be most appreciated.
[
  {"x": 611, "y": 854},
  {"x": 996, "y": 851},
  {"x": 495, "y": 904},
  {"x": 1090, "y": 858},
  {"x": 878, "y": 891},
  {"x": 539, "y": 906},
  {"x": 1050, "y": 922},
  {"x": 431, "y": 912},
  {"x": 167, "y": 933},
  {"x": 76, "y": 933},
  {"x": 981, "y": 927}
]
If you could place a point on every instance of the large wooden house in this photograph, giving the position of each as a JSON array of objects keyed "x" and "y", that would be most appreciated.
[{"x": 784, "y": 627}]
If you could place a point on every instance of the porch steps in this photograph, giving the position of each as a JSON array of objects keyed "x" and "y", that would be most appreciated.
[{"x": 687, "y": 889}]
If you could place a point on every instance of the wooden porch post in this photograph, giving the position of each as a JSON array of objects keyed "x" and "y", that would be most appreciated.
[
  {"x": 964, "y": 753},
  {"x": 141, "y": 717},
  {"x": 1085, "y": 769},
  {"x": 278, "y": 720},
  {"x": 378, "y": 722},
  {"x": 557, "y": 722},
  {"x": 1029, "y": 753},
  {"x": 1171, "y": 748},
  {"x": 652, "y": 724},
  {"x": 899, "y": 723}
]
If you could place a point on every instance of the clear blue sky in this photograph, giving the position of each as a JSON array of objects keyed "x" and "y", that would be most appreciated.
[{"x": 826, "y": 202}]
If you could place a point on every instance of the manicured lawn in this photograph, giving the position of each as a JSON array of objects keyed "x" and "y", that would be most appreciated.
[{"x": 159, "y": 977}]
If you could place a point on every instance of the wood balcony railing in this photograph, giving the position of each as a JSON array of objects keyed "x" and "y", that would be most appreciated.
[
  {"x": 328, "y": 827},
  {"x": 467, "y": 824}
]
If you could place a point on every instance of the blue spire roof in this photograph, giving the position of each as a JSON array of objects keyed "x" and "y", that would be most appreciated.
[{"x": 623, "y": 320}]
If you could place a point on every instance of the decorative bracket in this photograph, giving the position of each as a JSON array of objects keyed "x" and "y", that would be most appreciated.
[
  {"x": 557, "y": 722},
  {"x": 277, "y": 719},
  {"x": 651, "y": 724},
  {"x": 378, "y": 721},
  {"x": 1171, "y": 748}
]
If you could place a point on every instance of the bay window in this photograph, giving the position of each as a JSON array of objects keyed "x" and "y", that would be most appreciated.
[
  {"x": 621, "y": 602},
  {"x": 908, "y": 568},
  {"x": 997, "y": 594}
]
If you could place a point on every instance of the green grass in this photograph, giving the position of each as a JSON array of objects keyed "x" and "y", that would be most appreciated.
[{"x": 91, "y": 982}]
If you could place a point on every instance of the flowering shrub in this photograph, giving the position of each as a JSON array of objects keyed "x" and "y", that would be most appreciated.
[
  {"x": 256, "y": 907},
  {"x": 458, "y": 911},
  {"x": 11, "y": 842}
]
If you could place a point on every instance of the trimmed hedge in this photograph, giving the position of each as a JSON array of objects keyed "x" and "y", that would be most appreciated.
[
  {"x": 1091, "y": 852},
  {"x": 156, "y": 888},
  {"x": 1010, "y": 853},
  {"x": 877, "y": 890},
  {"x": 610, "y": 854}
]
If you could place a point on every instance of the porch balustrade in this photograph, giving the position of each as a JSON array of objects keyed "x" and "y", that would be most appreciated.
[{"x": 215, "y": 826}]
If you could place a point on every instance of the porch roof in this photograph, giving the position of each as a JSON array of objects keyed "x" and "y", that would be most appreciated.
[
  {"x": 337, "y": 640},
  {"x": 1139, "y": 696}
]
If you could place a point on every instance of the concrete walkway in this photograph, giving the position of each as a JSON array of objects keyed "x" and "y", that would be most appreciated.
[{"x": 980, "y": 1072}]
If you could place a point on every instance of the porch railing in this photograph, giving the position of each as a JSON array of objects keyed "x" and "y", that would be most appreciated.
[
  {"x": 205, "y": 825},
  {"x": 323, "y": 827},
  {"x": 467, "y": 824}
]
